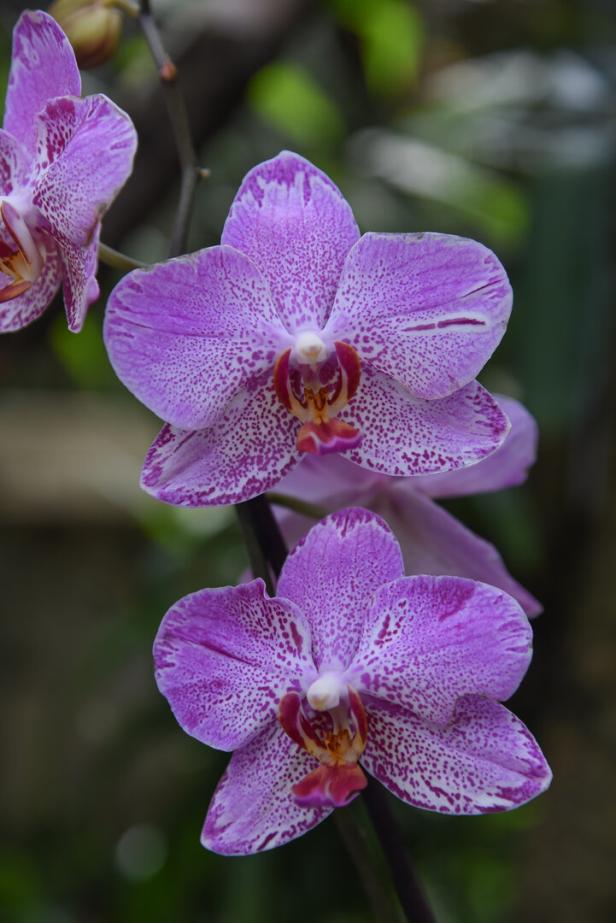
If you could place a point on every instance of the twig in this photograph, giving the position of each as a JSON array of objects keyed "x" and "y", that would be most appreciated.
[
  {"x": 353, "y": 835},
  {"x": 178, "y": 116},
  {"x": 409, "y": 890},
  {"x": 312, "y": 510},
  {"x": 258, "y": 514},
  {"x": 117, "y": 260}
]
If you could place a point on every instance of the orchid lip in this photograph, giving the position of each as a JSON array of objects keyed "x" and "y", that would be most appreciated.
[
  {"x": 22, "y": 263},
  {"x": 335, "y": 737},
  {"x": 315, "y": 385}
]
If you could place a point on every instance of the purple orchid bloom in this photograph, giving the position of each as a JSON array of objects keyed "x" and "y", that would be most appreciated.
[
  {"x": 297, "y": 335},
  {"x": 432, "y": 540},
  {"x": 62, "y": 161},
  {"x": 351, "y": 668}
]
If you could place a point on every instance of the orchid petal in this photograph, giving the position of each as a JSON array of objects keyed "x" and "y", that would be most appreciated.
[
  {"x": 294, "y": 223},
  {"x": 253, "y": 808},
  {"x": 404, "y": 436},
  {"x": 25, "y": 308},
  {"x": 224, "y": 658},
  {"x": 13, "y": 164},
  {"x": 431, "y": 539},
  {"x": 507, "y": 467},
  {"x": 79, "y": 284},
  {"x": 42, "y": 66},
  {"x": 484, "y": 761},
  {"x": 184, "y": 336},
  {"x": 246, "y": 452},
  {"x": 426, "y": 309},
  {"x": 332, "y": 575},
  {"x": 435, "y": 542},
  {"x": 85, "y": 152},
  {"x": 429, "y": 640}
]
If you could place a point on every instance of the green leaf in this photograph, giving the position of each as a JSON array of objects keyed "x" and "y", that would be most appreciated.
[{"x": 286, "y": 96}]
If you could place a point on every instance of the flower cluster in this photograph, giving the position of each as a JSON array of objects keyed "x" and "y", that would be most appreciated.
[{"x": 341, "y": 368}]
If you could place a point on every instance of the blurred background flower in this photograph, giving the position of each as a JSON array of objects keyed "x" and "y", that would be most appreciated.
[{"x": 492, "y": 119}]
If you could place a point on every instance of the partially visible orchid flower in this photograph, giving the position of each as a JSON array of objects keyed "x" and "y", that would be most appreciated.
[
  {"x": 432, "y": 540},
  {"x": 62, "y": 161},
  {"x": 351, "y": 668},
  {"x": 297, "y": 335}
]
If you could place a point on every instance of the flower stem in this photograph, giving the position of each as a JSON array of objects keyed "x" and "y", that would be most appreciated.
[
  {"x": 312, "y": 510},
  {"x": 178, "y": 117},
  {"x": 408, "y": 888},
  {"x": 117, "y": 260},
  {"x": 256, "y": 517},
  {"x": 354, "y": 837},
  {"x": 267, "y": 552}
]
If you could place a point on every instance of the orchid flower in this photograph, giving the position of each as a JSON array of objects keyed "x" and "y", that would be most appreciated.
[
  {"x": 62, "y": 161},
  {"x": 432, "y": 540},
  {"x": 352, "y": 668},
  {"x": 296, "y": 335}
]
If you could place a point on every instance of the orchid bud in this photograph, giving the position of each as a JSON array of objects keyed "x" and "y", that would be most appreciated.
[{"x": 93, "y": 28}]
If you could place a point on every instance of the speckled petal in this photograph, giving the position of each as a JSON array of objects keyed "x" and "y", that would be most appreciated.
[
  {"x": 428, "y": 640},
  {"x": 431, "y": 539},
  {"x": 43, "y": 66},
  {"x": 80, "y": 286},
  {"x": 225, "y": 657},
  {"x": 26, "y": 308},
  {"x": 253, "y": 808},
  {"x": 293, "y": 222},
  {"x": 484, "y": 761},
  {"x": 248, "y": 451},
  {"x": 184, "y": 336},
  {"x": 507, "y": 467},
  {"x": 435, "y": 542},
  {"x": 85, "y": 151},
  {"x": 403, "y": 436},
  {"x": 427, "y": 309},
  {"x": 13, "y": 164},
  {"x": 332, "y": 575}
]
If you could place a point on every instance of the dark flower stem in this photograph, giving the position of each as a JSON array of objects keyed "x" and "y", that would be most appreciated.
[
  {"x": 178, "y": 116},
  {"x": 354, "y": 837},
  {"x": 261, "y": 529},
  {"x": 407, "y": 885}
]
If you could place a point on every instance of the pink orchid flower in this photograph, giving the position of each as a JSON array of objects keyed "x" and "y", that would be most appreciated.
[
  {"x": 352, "y": 668},
  {"x": 62, "y": 162},
  {"x": 296, "y": 335}
]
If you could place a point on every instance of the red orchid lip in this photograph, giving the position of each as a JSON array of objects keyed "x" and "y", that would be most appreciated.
[
  {"x": 22, "y": 264},
  {"x": 337, "y": 742},
  {"x": 317, "y": 404}
]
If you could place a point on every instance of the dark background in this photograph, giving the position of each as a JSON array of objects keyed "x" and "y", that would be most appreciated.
[{"x": 491, "y": 119}]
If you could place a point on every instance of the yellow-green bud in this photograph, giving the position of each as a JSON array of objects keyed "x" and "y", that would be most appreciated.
[{"x": 93, "y": 27}]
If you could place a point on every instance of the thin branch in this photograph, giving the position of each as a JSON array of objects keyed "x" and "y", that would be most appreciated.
[
  {"x": 311, "y": 510},
  {"x": 406, "y": 882},
  {"x": 353, "y": 835},
  {"x": 265, "y": 529},
  {"x": 256, "y": 557},
  {"x": 178, "y": 116},
  {"x": 117, "y": 260}
]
